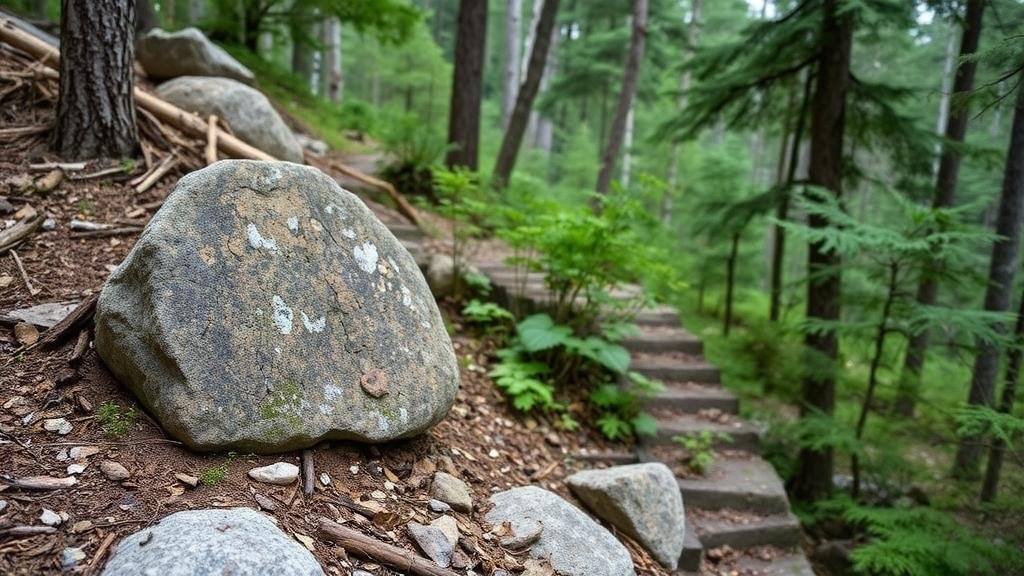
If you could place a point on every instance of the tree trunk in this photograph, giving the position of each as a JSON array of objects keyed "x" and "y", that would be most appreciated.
[
  {"x": 945, "y": 90},
  {"x": 511, "y": 64},
  {"x": 814, "y": 477},
  {"x": 627, "y": 149},
  {"x": 196, "y": 11},
  {"x": 692, "y": 37},
  {"x": 510, "y": 143},
  {"x": 998, "y": 448},
  {"x": 945, "y": 190},
  {"x": 782, "y": 210},
  {"x": 730, "y": 282},
  {"x": 95, "y": 109},
  {"x": 632, "y": 70},
  {"x": 1002, "y": 270},
  {"x": 467, "y": 85},
  {"x": 302, "y": 46},
  {"x": 331, "y": 74},
  {"x": 145, "y": 17},
  {"x": 542, "y": 126}
]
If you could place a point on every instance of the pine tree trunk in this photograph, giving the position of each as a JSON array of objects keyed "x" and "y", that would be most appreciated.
[
  {"x": 814, "y": 477},
  {"x": 467, "y": 85},
  {"x": 331, "y": 75},
  {"x": 513, "y": 137},
  {"x": 998, "y": 449},
  {"x": 730, "y": 282},
  {"x": 542, "y": 127},
  {"x": 692, "y": 38},
  {"x": 302, "y": 46},
  {"x": 627, "y": 149},
  {"x": 637, "y": 40},
  {"x": 511, "y": 64},
  {"x": 1002, "y": 269},
  {"x": 96, "y": 109},
  {"x": 945, "y": 191},
  {"x": 945, "y": 91}
]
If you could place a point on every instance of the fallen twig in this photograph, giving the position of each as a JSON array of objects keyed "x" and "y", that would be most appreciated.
[
  {"x": 81, "y": 345},
  {"x": 97, "y": 558},
  {"x": 24, "y": 130},
  {"x": 403, "y": 205},
  {"x": 159, "y": 172},
  {"x": 24, "y": 275},
  {"x": 112, "y": 171},
  {"x": 11, "y": 237},
  {"x": 381, "y": 552},
  {"x": 72, "y": 322},
  {"x": 308, "y": 479},
  {"x": 27, "y": 530},
  {"x": 39, "y": 482},
  {"x": 211, "y": 139},
  {"x": 65, "y": 166},
  {"x": 106, "y": 232}
]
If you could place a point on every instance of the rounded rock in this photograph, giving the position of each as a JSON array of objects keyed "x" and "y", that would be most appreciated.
[{"x": 258, "y": 303}]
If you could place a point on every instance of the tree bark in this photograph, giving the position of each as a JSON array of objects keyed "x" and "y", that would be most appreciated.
[
  {"x": 467, "y": 85},
  {"x": 945, "y": 90},
  {"x": 513, "y": 138},
  {"x": 692, "y": 37},
  {"x": 637, "y": 40},
  {"x": 302, "y": 47},
  {"x": 95, "y": 110},
  {"x": 814, "y": 477},
  {"x": 511, "y": 63},
  {"x": 627, "y": 149},
  {"x": 331, "y": 75},
  {"x": 997, "y": 451},
  {"x": 945, "y": 191},
  {"x": 1002, "y": 269},
  {"x": 730, "y": 281}
]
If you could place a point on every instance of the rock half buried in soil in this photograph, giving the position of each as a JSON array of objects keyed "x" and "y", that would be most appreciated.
[
  {"x": 238, "y": 541},
  {"x": 265, "y": 309},
  {"x": 573, "y": 543},
  {"x": 642, "y": 500}
]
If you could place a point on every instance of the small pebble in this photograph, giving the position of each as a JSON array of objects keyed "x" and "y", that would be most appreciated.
[
  {"x": 281, "y": 473},
  {"x": 80, "y": 452},
  {"x": 49, "y": 224},
  {"x": 27, "y": 418},
  {"x": 354, "y": 469},
  {"x": 438, "y": 506},
  {"x": 76, "y": 468},
  {"x": 3, "y": 505},
  {"x": 62, "y": 455},
  {"x": 71, "y": 556},
  {"x": 81, "y": 526},
  {"x": 325, "y": 479},
  {"x": 59, "y": 425},
  {"x": 114, "y": 470},
  {"x": 388, "y": 485},
  {"x": 49, "y": 517},
  {"x": 493, "y": 453}
]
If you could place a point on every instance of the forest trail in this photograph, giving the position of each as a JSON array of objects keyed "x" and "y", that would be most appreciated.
[{"x": 738, "y": 510}]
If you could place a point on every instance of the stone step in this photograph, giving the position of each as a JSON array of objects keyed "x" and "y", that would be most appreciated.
[
  {"x": 659, "y": 316},
  {"x": 419, "y": 255},
  {"x": 676, "y": 370},
  {"x": 664, "y": 340},
  {"x": 747, "y": 484},
  {"x": 743, "y": 436},
  {"x": 789, "y": 563},
  {"x": 693, "y": 551},
  {"x": 740, "y": 530},
  {"x": 404, "y": 231},
  {"x": 690, "y": 398}
]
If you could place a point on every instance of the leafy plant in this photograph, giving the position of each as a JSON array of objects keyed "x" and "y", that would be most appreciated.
[
  {"x": 460, "y": 200},
  {"x": 487, "y": 313},
  {"x": 522, "y": 380},
  {"x": 416, "y": 149},
  {"x": 699, "y": 447},
  {"x": 115, "y": 420}
]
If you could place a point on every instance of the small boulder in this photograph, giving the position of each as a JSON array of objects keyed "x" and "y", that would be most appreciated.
[
  {"x": 258, "y": 306},
  {"x": 237, "y": 541},
  {"x": 571, "y": 541},
  {"x": 451, "y": 491},
  {"x": 433, "y": 542},
  {"x": 59, "y": 425},
  {"x": 187, "y": 52},
  {"x": 641, "y": 500},
  {"x": 245, "y": 109},
  {"x": 448, "y": 526},
  {"x": 277, "y": 473}
]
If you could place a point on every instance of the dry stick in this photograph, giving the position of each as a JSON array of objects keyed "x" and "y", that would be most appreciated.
[
  {"x": 80, "y": 347},
  {"x": 24, "y": 130},
  {"x": 27, "y": 530},
  {"x": 161, "y": 170},
  {"x": 380, "y": 552},
  {"x": 164, "y": 111},
  {"x": 49, "y": 181},
  {"x": 97, "y": 559},
  {"x": 211, "y": 139},
  {"x": 73, "y": 321},
  {"x": 19, "y": 232},
  {"x": 403, "y": 205},
  {"x": 115, "y": 170},
  {"x": 107, "y": 232},
  {"x": 65, "y": 166},
  {"x": 307, "y": 472},
  {"x": 39, "y": 482},
  {"x": 24, "y": 275}
]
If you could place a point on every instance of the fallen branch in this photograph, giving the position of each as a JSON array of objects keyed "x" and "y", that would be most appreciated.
[
  {"x": 211, "y": 139},
  {"x": 39, "y": 482},
  {"x": 27, "y": 530},
  {"x": 65, "y": 166},
  {"x": 383, "y": 553},
  {"x": 81, "y": 345},
  {"x": 24, "y": 275},
  {"x": 230, "y": 145},
  {"x": 97, "y": 558},
  {"x": 70, "y": 324},
  {"x": 112, "y": 171},
  {"x": 107, "y": 232},
  {"x": 165, "y": 166},
  {"x": 403, "y": 205},
  {"x": 24, "y": 130},
  {"x": 18, "y": 233},
  {"x": 308, "y": 479}
]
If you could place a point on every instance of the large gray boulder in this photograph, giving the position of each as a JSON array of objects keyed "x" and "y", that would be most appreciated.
[
  {"x": 571, "y": 541},
  {"x": 264, "y": 309},
  {"x": 237, "y": 541},
  {"x": 245, "y": 109},
  {"x": 641, "y": 500},
  {"x": 187, "y": 52}
]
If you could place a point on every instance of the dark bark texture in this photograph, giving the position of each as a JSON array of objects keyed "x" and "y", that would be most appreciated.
[
  {"x": 814, "y": 477},
  {"x": 513, "y": 138},
  {"x": 637, "y": 41},
  {"x": 997, "y": 451},
  {"x": 145, "y": 17},
  {"x": 467, "y": 85},
  {"x": 95, "y": 109},
  {"x": 945, "y": 190},
  {"x": 1002, "y": 269}
]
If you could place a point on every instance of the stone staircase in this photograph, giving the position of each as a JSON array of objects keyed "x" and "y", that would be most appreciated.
[{"x": 740, "y": 502}]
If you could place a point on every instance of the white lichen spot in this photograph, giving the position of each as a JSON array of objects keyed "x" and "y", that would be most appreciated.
[
  {"x": 283, "y": 316},
  {"x": 403, "y": 415},
  {"x": 326, "y": 409},
  {"x": 425, "y": 324},
  {"x": 382, "y": 424},
  {"x": 348, "y": 233},
  {"x": 332, "y": 392},
  {"x": 313, "y": 326},
  {"x": 366, "y": 257},
  {"x": 257, "y": 241},
  {"x": 293, "y": 225},
  {"x": 329, "y": 208},
  {"x": 406, "y": 297}
]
